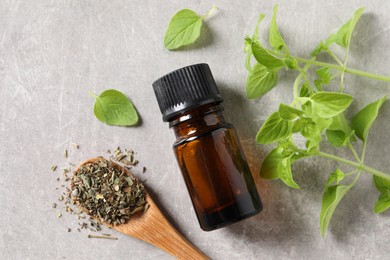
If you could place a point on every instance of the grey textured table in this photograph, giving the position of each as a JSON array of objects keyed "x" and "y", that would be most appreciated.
[{"x": 53, "y": 52}]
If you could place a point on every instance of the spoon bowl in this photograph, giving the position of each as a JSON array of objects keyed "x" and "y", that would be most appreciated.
[{"x": 153, "y": 227}]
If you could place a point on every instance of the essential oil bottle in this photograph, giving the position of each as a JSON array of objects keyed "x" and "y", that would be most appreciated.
[{"x": 207, "y": 148}]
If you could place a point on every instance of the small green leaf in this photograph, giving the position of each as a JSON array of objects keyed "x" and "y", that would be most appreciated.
[
  {"x": 364, "y": 119},
  {"x": 255, "y": 36},
  {"x": 290, "y": 63},
  {"x": 275, "y": 39},
  {"x": 331, "y": 198},
  {"x": 336, "y": 137},
  {"x": 264, "y": 57},
  {"x": 289, "y": 113},
  {"x": 274, "y": 129},
  {"x": 335, "y": 178},
  {"x": 382, "y": 184},
  {"x": 285, "y": 174},
  {"x": 305, "y": 90},
  {"x": 339, "y": 122},
  {"x": 114, "y": 108},
  {"x": 311, "y": 131},
  {"x": 248, "y": 45},
  {"x": 269, "y": 168},
  {"x": 383, "y": 203},
  {"x": 343, "y": 35},
  {"x": 330, "y": 104},
  {"x": 320, "y": 47},
  {"x": 298, "y": 125},
  {"x": 260, "y": 80},
  {"x": 324, "y": 75},
  {"x": 184, "y": 28},
  {"x": 322, "y": 123}
]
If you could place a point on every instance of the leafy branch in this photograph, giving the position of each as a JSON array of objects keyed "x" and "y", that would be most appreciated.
[{"x": 317, "y": 113}]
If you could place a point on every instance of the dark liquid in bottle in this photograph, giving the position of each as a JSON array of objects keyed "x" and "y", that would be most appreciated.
[{"x": 217, "y": 176}]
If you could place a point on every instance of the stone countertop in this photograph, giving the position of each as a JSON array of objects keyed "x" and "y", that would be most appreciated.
[{"x": 53, "y": 52}]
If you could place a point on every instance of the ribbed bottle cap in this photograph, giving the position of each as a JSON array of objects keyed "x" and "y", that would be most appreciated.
[{"x": 185, "y": 88}]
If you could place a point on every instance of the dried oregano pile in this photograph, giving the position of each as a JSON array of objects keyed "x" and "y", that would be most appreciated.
[
  {"x": 107, "y": 192},
  {"x": 102, "y": 192}
]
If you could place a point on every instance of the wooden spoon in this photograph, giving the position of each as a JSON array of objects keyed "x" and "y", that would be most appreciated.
[{"x": 152, "y": 227}]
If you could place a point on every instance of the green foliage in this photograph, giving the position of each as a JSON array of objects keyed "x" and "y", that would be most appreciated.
[
  {"x": 269, "y": 167},
  {"x": 275, "y": 39},
  {"x": 383, "y": 202},
  {"x": 114, "y": 108},
  {"x": 343, "y": 35},
  {"x": 285, "y": 174},
  {"x": 331, "y": 198},
  {"x": 330, "y": 104},
  {"x": 364, "y": 119},
  {"x": 264, "y": 57},
  {"x": 260, "y": 80},
  {"x": 316, "y": 111},
  {"x": 274, "y": 129},
  {"x": 184, "y": 29}
]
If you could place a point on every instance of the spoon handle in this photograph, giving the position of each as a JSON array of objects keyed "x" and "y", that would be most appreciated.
[{"x": 154, "y": 228}]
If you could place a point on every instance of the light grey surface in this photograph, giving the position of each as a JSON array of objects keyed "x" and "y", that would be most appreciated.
[{"x": 53, "y": 52}]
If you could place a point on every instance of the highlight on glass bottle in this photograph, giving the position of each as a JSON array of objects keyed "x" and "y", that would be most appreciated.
[{"x": 207, "y": 148}]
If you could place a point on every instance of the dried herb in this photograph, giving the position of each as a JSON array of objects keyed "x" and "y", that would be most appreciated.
[
  {"x": 105, "y": 237},
  {"x": 107, "y": 192},
  {"x": 125, "y": 158}
]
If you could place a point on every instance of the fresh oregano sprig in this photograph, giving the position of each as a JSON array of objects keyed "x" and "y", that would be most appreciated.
[{"x": 317, "y": 113}]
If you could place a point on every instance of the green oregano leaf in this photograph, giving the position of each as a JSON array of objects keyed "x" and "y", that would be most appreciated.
[
  {"x": 114, "y": 108},
  {"x": 331, "y": 198},
  {"x": 305, "y": 90},
  {"x": 269, "y": 167},
  {"x": 324, "y": 75},
  {"x": 320, "y": 47},
  {"x": 260, "y": 80},
  {"x": 288, "y": 112},
  {"x": 275, "y": 39},
  {"x": 274, "y": 129},
  {"x": 264, "y": 57},
  {"x": 381, "y": 184},
  {"x": 383, "y": 203},
  {"x": 330, "y": 104},
  {"x": 285, "y": 174},
  {"x": 184, "y": 28},
  {"x": 335, "y": 178},
  {"x": 343, "y": 35},
  {"x": 364, "y": 119},
  {"x": 336, "y": 137}
]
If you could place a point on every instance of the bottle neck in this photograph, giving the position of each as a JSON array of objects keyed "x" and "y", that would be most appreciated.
[{"x": 197, "y": 121}]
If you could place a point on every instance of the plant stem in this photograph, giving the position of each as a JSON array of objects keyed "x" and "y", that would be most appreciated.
[
  {"x": 364, "y": 150},
  {"x": 296, "y": 85},
  {"x": 352, "y": 172},
  {"x": 359, "y": 166},
  {"x": 92, "y": 94},
  {"x": 354, "y": 152},
  {"x": 212, "y": 10},
  {"x": 302, "y": 73},
  {"x": 343, "y": 69},
  {"x": 344, "y": 66},
  {"x": 334, "y": 57}
]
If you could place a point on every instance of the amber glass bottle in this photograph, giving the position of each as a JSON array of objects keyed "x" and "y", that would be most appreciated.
[{"x": 207, "y": 148}]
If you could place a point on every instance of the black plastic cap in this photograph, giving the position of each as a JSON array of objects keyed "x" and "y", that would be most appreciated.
[{"x": 185, "y": 88}]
